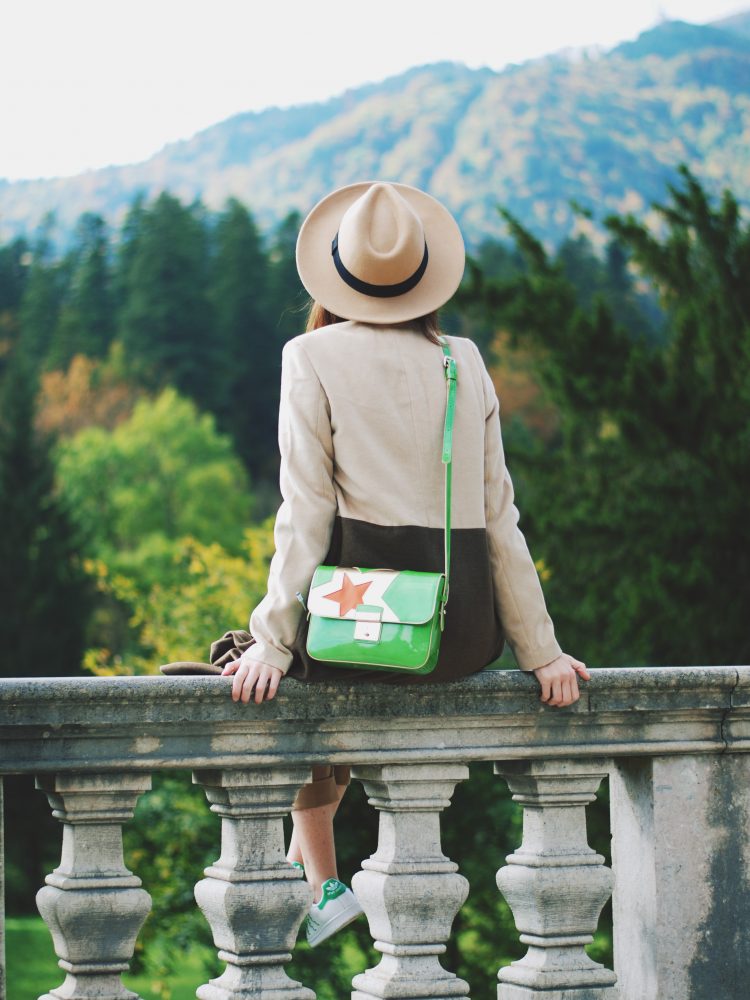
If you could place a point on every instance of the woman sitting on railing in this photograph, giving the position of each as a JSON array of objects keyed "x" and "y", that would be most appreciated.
[{"x": 360, "y": 428}]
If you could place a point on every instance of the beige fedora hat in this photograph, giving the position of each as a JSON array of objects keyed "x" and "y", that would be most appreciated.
[{"x": 380, "y": 252}]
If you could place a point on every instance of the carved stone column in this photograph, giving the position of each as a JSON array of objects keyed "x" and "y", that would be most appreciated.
[
  {"x": 408, "y": 889},
  {"x": 92, "y": 905},
  {"x": 555, "y": 884},
  {"x": 253, "y": 900}
]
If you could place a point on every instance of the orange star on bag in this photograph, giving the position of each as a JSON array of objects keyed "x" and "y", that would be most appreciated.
[{"x": 349, "y": 596}]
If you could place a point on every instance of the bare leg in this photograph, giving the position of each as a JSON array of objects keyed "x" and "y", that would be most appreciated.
[{"x": 312, "y": 842}]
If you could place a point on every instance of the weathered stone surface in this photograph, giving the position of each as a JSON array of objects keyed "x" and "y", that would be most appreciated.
[
  {"x": 554, "y": 882},
  {"x": 155, "y": 722},
  {"x": 253, "y": 900},
  {"x": 99, "y": 727},
  {"x": 681, "y": 858},
  {"x": 526, "y": 993},
  {"x": 410, "y": 891},
  {"x": 92, "y": 904},
  {"x": 736, "y": 727}
]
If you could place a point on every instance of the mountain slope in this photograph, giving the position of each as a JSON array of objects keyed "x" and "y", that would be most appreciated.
[
  {"x": 739, "y": 23},
  {"x": 606, "y": 131}
]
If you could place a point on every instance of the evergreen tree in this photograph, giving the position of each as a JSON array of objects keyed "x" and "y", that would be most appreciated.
[
  {"x": 165, "y": 321},
  {"x": 45, "y": 593},
  {"x": 610, "y": 280},
  {"x": 639, "y": 508},
  {"x": 13, "y": 272},
  {"x": 252, "y": 352},
  {"x": 288, "y": 299},
  {"x": 42, "y": 297},
  {"x": 130, "y": 233},
  {"x": 86, "y": 318}
]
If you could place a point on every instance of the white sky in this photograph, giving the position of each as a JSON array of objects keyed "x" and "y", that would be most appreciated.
[{"x": 85, "y": 83}]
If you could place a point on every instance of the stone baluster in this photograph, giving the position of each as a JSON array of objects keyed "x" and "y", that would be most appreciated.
[
  {"x": 555, "y": 884},
  {"x": 409, "y": 890},
  {"x": 253, "y": 900},
  {"x": 92, "y": 905}
]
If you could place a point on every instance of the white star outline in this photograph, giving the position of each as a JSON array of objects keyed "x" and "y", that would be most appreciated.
[{"x": 379, "y": 581}]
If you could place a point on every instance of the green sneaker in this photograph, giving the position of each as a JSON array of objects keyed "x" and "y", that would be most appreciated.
[{"x": 337, "y": 907}]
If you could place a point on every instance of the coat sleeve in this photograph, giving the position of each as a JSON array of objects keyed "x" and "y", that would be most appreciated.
[
  {"x": 304, "y": 522},
  {"x": 518, "y": 592}
]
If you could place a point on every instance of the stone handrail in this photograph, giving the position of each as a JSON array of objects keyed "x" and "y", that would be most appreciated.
[{"x": 673, "y": 742}]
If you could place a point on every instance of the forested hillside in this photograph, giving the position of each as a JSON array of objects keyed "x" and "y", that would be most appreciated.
[
  {"x": 139, "y": 534},
  {"x": 140, "y": 348},
  {"x": 604, "y": 130}
]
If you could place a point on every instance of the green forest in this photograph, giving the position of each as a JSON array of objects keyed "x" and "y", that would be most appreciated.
[{"x": 139, "y": 379}]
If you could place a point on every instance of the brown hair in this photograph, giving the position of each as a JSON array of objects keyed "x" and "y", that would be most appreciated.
[{"x": 427, "y": 325}]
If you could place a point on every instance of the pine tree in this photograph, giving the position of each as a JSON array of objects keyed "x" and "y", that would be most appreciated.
[
  {"x": 241, "y": 296},
  {"x": 42, "y": 297},
  {"x": 288, "y": 298},
  {"x": 129, "y": 236},
  {"x": 87, "y": 313},
  {"x": 165, "y": 321},
  {"x": 44, "y": 590},
  {"x": 639, "y": 508},
  {"x": 13, "y": 273}
]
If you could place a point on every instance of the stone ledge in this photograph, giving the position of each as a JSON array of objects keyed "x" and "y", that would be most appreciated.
[
  {"x": 608, "y": 688},
  {"x": 101, "y": 723}
]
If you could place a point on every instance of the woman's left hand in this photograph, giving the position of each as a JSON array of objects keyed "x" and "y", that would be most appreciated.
[
  {"x": 249, "y": 674},
  {"x": 559, "y": 680}
]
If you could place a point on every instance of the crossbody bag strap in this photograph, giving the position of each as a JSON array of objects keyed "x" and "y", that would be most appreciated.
[{"x": 449, "y": 366}]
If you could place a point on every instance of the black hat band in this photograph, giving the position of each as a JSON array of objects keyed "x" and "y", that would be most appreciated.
[{"x": 377, "y": 291}]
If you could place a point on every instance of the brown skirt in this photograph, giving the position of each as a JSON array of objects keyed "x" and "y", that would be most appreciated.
[{"x": 322, "y": 789}]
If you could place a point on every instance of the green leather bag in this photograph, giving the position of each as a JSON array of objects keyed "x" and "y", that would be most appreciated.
[{"x": 385, "y": 619}]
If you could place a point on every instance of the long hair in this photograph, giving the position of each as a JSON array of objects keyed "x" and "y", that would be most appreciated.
[{"x": 427, "y": 325}]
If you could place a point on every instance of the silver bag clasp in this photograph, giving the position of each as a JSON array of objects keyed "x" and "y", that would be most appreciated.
[{"x": 368, "y": 624}]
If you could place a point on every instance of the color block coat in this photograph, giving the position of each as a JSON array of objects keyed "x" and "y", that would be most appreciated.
[{"x": 360, "y": 435}]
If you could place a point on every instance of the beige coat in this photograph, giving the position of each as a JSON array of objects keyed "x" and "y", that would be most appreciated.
[{"x": 360, "y": 432}]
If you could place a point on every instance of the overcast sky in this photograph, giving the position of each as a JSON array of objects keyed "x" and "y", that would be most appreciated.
[{"x": 85, "y": 83}]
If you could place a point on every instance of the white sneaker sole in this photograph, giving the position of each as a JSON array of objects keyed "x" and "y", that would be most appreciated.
[{"x": 341, "y": 919}]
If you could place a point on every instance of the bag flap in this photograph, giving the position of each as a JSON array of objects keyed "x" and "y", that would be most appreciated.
[{"x": 403, "y": 596}]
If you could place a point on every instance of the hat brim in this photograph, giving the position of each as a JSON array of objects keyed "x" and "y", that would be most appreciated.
[{"x": 317, "y": 270}]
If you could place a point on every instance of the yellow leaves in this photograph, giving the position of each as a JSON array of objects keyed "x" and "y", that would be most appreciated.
[
  {"x": 107, "y": 582},
  {"x": 102, "y": 663},
  {"x": 544, "y": 571},
  {"x": 209, "y": 592},
  {"x": 96, "y": 568},
  {"x": 608, "y": 430}
]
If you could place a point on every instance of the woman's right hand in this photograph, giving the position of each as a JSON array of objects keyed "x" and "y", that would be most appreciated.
[
  {"x": 253, "y": 675},
  {"x": 559, "y": 680}
]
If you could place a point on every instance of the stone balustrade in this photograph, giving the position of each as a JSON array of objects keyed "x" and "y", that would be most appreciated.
[{"x": 673, "y": 743}]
